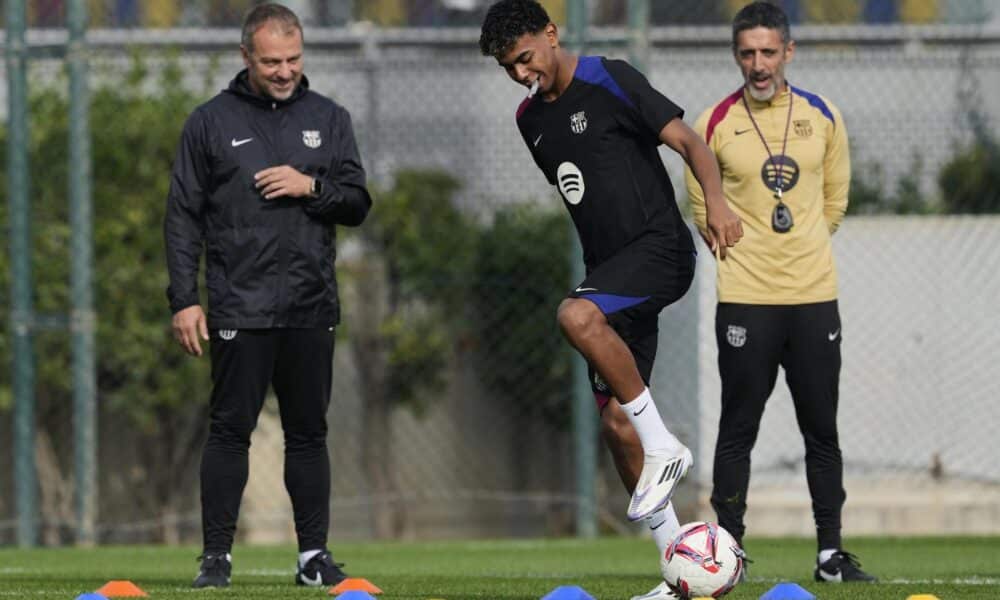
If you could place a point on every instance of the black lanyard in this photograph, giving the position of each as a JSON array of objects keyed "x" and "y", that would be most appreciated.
[
  {"x": 781, "y": 217},
  {"x": 778, "y": 168}
]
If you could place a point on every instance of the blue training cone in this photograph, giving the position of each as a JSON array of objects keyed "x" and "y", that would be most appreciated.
[
  {"x": 568, "y": 592},
  {"x": 91, "y": 596},
  {"x": 787, "y": 591},
  {"x": 355, "y": 595}
]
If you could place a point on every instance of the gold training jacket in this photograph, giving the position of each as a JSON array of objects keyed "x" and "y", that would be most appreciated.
[{"x": 767, "y": 267}]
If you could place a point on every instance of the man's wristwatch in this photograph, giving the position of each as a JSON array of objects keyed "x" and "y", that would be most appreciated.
[{"x": 316, "y": 188}]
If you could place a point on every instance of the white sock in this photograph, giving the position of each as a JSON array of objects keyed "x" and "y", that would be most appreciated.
[
  {"x": 663, "y": 525},
  {"x": 305, "y": 557},
  {"x": 825, "y": 555},
  {"x": 653, "y": 434}
]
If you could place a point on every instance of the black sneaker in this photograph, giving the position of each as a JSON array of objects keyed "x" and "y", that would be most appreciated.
[
  {"x": 842, "y": 567},
  {"x": 215, "y": 571},
  {"x": 320, "y": 570}
]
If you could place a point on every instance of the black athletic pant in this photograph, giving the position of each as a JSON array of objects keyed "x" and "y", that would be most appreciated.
[
  {"x": 299, "y": 364},
  {"x": 753, "y": 340}
]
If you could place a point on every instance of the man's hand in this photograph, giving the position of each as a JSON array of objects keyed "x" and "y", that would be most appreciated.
[
  {"x": 282, "y": 181},
  {"x": 188, "y": 324},
  {"x": 724, "y": 227}
]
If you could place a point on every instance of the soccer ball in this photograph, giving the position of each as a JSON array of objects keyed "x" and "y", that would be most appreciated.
[{"x": 703, "y": 560}]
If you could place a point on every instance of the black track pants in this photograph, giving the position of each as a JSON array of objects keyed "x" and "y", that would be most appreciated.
[
  {"x": 299, "y": 364},
  {"x": 753, "y": 340}
]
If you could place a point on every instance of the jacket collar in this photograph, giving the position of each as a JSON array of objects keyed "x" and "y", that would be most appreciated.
[{"x": 240, "y": 87}]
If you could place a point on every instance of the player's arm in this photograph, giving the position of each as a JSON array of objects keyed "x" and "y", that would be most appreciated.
[
  {"x": 183, "y": 234},
  {"x": 654, "y": 114},
  {"x": 722, "y": 226},
  {"x": 836, "y": 173},
  {"x": 696, "y": 197}
]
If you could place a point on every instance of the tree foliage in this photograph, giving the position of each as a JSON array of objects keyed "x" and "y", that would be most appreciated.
[
  {"x": 134, "y": 133},
  {"x": 868, "y": 191},
  {"x": 147, "y": 389},
  {"x": 425, "y": 246},
  {"x": 454, "y": 284},
  {"x": 970, "y": 182},
  {"x": 522, "y": 273}
]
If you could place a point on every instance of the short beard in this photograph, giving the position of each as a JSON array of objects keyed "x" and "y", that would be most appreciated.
[{"x": 763, "y": 96}]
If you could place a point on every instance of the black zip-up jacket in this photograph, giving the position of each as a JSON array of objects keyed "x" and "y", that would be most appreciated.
[{"x": 269, "y": 263}]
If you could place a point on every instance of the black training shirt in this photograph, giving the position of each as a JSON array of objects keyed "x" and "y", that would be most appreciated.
[{"x": 597, "y": 143}]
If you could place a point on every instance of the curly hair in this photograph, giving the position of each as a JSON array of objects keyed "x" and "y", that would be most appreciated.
[{"x": 506, "y": 21}]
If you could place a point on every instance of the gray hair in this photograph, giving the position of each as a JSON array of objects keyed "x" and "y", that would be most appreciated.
[{"x": 260, "y": 15}]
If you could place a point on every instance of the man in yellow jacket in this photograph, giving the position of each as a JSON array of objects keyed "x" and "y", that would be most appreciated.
[{"x": 785, "y": 166}]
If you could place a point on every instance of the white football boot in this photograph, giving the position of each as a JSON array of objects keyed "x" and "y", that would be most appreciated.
[
  {"x": 659, "y": 478},
  {"x": 660, "y": 592}
]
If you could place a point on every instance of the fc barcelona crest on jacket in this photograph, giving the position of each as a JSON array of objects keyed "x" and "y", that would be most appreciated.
[
  {"x": 311, "y": 138},
  {"x": 578, "y": 122}
]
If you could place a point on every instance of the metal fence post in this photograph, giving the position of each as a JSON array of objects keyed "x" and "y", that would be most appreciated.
[
  {"x": 82, "y": 318},
  {"x": 638, "y": 33},
  {"x": 584, "y": 423},
  {"x": 21, "y": 311}
]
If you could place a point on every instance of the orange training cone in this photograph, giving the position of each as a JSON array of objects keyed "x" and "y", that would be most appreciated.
[
  {"x": 121, "y": 589},
  {"x": 355, "y": 584}
]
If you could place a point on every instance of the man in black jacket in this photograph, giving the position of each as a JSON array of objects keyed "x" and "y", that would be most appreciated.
[{"x": 264, "y": 172}]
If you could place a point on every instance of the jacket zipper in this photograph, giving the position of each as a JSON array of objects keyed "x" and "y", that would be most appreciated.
[{"x": 282, "y": 316}]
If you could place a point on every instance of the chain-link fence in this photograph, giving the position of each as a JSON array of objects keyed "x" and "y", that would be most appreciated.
[
  {"x": 457, "y": 13},
  {"x": 450, "y": 414}
]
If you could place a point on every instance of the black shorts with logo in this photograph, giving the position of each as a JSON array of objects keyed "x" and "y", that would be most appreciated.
[{"x": 631, "y": 288}]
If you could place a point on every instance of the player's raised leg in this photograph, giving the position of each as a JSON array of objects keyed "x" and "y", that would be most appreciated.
[{"x": 666, "y": 459}]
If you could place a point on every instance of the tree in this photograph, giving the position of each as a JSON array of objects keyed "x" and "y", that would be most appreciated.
[
  {"x": 522, "y": 273},
  {"x": 970, "y": 182},
  {"x": 404, "y": 316},
  {"x": 152, "y": 399},
  {"x": 868, "y": 196}
]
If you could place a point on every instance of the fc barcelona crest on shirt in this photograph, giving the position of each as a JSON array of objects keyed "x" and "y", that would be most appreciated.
[
  {"x": 803, "y": 128},
  {"x": 311, "y": 139},
  {"x": 578, "y": 122},
  {"x": 736, "y": 336}
]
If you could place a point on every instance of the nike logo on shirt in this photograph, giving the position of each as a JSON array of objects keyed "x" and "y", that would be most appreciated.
[
  {"x": 537, "y": 140},
  {"x": 833, "y": 335},
  {"x": 741, "y": 131},
  {"x": 237, "y": 142}
]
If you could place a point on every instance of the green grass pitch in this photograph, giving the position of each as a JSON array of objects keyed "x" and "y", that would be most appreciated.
[{"x": 608, "y": 568}]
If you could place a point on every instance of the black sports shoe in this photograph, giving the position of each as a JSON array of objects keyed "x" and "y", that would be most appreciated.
[
  {"x": 320, "y": 570},
  {"x": 215, "y": 571},
  {"x": 842, "y": 567}
]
